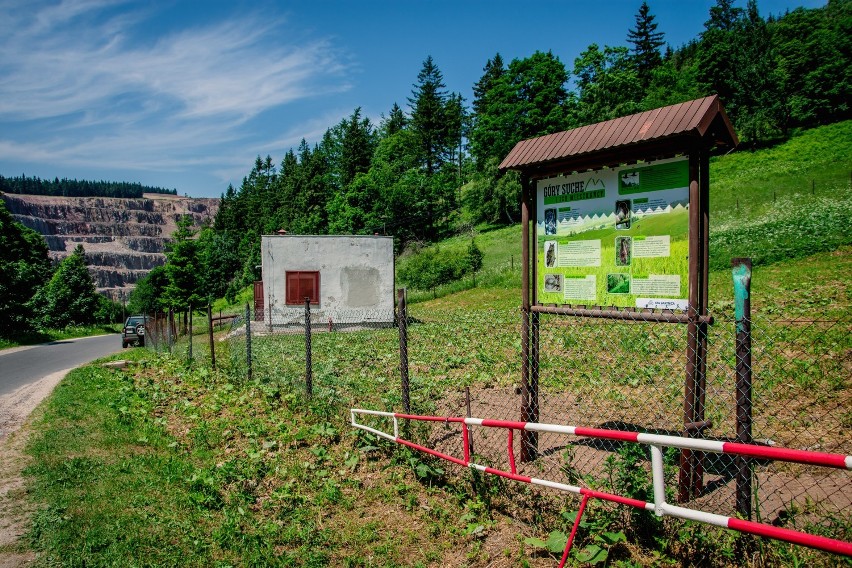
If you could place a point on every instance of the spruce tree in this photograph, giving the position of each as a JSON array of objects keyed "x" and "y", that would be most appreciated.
[
  {"x": 428, "y": 116},
  {"x": 357, "y": 143},
  {"x": 492, "y": 73},
  {"x": 394, "y": 122},
  {"x": 647, "y": 42},
  {"x": 183, "y": 268}
]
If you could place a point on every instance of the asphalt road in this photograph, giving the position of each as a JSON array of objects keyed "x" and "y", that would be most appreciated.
[{"x": 19, "y": 367}]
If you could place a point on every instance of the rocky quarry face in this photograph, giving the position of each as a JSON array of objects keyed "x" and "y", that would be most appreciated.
[{"x": 124, "y": 238}]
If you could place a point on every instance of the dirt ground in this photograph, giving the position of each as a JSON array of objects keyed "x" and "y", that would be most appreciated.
[{"x": 16, "y": 409}]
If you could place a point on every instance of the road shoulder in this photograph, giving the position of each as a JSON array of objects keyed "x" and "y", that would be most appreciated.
[
  {"x": 16, "y": 509},
  {"x": 16, "y": 411}
]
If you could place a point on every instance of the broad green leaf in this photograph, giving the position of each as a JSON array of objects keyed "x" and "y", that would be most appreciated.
[
  {"x": 593, "y": 554},
  {"x": 613, "y": 537},
  {"x": 556, "y": 541},
  {"x": 536, "y": 542}
]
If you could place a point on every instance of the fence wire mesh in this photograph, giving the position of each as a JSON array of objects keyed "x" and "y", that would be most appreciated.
[{"x": 604, "y": 373}]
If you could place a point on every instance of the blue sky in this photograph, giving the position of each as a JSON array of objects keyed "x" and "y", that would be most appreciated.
[{"x": 184, "y": 95}]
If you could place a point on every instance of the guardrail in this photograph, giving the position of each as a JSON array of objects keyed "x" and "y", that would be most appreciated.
[{"x": 656, "y": 442}]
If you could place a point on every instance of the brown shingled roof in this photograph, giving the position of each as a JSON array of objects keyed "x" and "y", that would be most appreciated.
[{"x": 666, "y": 127}]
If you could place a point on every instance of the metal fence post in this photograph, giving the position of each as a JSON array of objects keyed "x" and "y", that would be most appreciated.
[
  {"x": 402, "y": 317},
  {"x": 741, "y": 271},
  {"x": 529, "y": 440},
  {"x": 210, "y": 335},
  {"x": 309, "y": 380},
  {"x": 248, "y": 341}
]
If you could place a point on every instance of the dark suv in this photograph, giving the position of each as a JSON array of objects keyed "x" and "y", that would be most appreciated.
[{"x": 134, "y": 331}]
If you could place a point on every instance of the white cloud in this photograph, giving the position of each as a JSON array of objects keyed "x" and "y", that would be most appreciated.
[
  {"x": 78, "y": 85},
  {"x": 237, "y": 67}
]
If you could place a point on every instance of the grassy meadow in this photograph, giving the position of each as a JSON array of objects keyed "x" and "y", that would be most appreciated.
[{"x": 170, "y": 463}]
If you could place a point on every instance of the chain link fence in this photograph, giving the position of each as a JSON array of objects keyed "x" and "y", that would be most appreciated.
[{"x": 458, "y": 360}]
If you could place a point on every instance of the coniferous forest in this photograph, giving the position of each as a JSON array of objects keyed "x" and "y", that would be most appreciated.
[
  {"x": 428, "y": 169},
  {"x": 77, "y": 188}
]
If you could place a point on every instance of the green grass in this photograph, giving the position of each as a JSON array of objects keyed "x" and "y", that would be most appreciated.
[
  {"x": 43, "y": 336},
  {"x": 246, "y": 295},
  {"x": 815, "y": 162},
  {"x": 166, "y": 465}
]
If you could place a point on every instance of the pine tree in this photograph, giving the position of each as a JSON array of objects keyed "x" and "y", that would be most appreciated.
[
  {"x": 394, "y": 122},
  {"x": 149, "y": 294},
  {"x": 724, "y": 16},
  {"x": 494, "y": 128},
  {"x": 607, "y": 85},
  {"x": 357, "y": 143},
  {"x": 183, "y": 268},
  {"x": 721, "y": 54},
  {"x": 492, "y": 73},
  {"x": 428, "y": 116},
  {"x": 646, "y": 44},
  {"x": 757, "y": 81}
]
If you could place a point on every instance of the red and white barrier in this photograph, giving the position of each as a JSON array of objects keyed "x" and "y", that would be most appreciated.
[{"x": 657, "y": 442}]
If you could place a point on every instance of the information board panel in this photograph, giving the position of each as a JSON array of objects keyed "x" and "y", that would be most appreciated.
[{"x": 615, "y": 237}]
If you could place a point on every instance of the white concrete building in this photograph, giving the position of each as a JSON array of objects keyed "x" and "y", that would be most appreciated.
[{"x": 349, "y": 279}]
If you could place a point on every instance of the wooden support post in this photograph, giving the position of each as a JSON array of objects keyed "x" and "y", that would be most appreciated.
[{"x": 687, "y": 476}]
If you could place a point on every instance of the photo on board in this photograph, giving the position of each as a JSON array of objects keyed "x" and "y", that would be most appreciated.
[
  {"x": 549, "y": 254},
  {"x": 622, "y": 214},
  {"x": 550, "y": 221},
  {"x": 618, "y": 283},
  {"x": 552, "y": 282},
  {"x": 623, "y": 250}
]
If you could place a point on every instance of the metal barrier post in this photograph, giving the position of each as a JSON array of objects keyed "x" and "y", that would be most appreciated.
[
  {"x": 469, "y": 431},
  {"x": 741, "y": 271}
]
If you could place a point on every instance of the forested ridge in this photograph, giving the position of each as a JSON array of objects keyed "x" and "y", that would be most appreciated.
[
  {"x": 77, "y": 188},
  {"x": 430, "y": 170}
]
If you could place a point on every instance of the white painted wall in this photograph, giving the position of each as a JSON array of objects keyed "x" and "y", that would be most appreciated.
[{"x": 356, "y": 275}]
